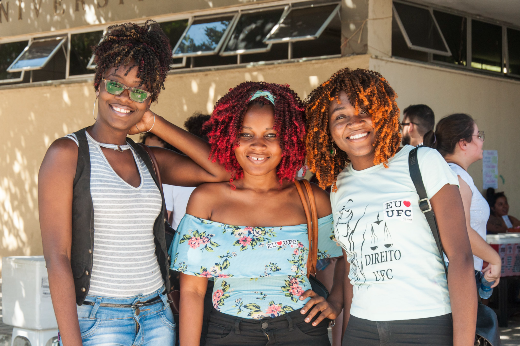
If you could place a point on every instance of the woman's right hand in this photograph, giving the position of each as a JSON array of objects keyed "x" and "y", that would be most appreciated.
[{"x": 492, "y": 273}]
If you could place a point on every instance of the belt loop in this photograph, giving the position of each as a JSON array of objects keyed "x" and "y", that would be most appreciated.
[
  {"x": 289, "y": 319},
  {"x": 95, "y": 307},
  {"x": 237, "y": 326},
  {"x": 164, "y": 298}
]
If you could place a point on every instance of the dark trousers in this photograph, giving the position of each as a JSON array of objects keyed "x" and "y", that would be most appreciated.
[
  {"x": 288, "y": 329},
  {"x": 435, "y": 331}
]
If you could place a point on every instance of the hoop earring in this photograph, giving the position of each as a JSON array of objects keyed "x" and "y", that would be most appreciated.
[{"x": 94, "y": 109}]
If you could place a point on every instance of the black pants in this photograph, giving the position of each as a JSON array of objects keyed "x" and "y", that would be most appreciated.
[
  {"x": 288, "y": 329},
  {"x": 435, "y": 331}
]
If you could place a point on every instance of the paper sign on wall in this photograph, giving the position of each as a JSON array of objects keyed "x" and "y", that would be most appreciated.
[{"x": 490, "y": 169}]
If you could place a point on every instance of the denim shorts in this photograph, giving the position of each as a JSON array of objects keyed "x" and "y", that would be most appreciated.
[{"x": 138, "y": 325}]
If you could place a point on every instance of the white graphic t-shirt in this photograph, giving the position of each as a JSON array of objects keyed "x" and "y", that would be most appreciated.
[{"x": 395, "y": 266}]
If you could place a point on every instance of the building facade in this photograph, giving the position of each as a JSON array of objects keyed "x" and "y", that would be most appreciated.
[{"x": 454, "y": 58}]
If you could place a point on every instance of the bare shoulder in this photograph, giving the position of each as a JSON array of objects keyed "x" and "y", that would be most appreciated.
[
  {"x": 205, "y": 197},
  {"x": 61, "y": 157},
  {"x": 322, "y": 198}
]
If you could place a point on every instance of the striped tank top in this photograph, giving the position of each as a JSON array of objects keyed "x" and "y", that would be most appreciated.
[{"x": 125, "y": 263}]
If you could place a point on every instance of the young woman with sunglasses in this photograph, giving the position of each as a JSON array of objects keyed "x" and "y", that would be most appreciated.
[
  {"x": 460, "y": 142},
  {"x": 101, "y": 209},
  {"x": 250, "y": 235},
  {"x": 397, "y": 293}
]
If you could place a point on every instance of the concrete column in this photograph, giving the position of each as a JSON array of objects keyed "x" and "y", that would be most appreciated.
[{"x": 366, "y": 27}]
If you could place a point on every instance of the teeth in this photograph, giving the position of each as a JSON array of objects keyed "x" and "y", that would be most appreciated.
[
  {"x": 361, "y": 135},
  {"x": 121, "y": 110},
  {"x": 257, "y": 158}
]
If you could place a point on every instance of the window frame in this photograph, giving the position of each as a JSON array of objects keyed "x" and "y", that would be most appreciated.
[
  {"x": 405, "y": 33},
  {"x": 251, "y": 51},
  {"x": 48, "y": 58},
  {"x": 224, "y": 38},
  {"x": 90, "y": 65},
  {"x": 303, "y": 38}
]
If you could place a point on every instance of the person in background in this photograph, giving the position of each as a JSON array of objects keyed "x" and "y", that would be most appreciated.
[
  {"x": 397, "y": 292},
  {"x": 460, "y": 142},
  {"x": 417, "y": 121},
  {"x": 500, "y": 221}
]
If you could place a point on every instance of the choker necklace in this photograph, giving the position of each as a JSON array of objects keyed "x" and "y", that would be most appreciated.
[{"x": 115, "y": 147}]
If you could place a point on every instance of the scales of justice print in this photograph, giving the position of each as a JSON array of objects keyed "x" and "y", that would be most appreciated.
[{"x": 372, "y": 254}]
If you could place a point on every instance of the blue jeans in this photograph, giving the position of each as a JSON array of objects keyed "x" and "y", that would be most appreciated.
[{"x": 127, "y": 326}]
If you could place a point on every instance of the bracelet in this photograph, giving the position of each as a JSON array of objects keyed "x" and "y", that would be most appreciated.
[
  {"x": 152, "y": 124},
  {"x": 137, "y": 128}
]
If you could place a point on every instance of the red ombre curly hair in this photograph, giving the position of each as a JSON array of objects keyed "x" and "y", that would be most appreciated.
[
  {"x": 367, "y": 91},
  {"x": 289, "y": 121}
]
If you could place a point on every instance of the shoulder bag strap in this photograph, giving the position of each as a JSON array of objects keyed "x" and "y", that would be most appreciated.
[
  {"x": 424, "y": 202},
  {"x": 156, "y": 170},
  {"x": 309, "y": 206}
]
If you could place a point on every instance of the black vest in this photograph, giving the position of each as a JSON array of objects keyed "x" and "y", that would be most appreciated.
[{"x": 81, "y": 260}]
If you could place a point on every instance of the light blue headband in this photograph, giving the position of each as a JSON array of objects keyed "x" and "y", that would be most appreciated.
[{"x": 263, "y": 93}]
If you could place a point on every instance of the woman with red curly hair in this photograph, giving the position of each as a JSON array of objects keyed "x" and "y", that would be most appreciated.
[
  {"x": 250, "y": 234},
  {"x": 397, "y": 292}
]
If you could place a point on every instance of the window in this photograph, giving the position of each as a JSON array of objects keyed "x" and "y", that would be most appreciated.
[
  {"x": 419, "y": 29},
  {"x": 486, "y": 43},
  {"x": 81, "y": 52},
  {"x": 250, "y": 31},
  {"x": 37, "y": 54},
  {"x": 174, "y": 31},
  {"x": 513, "y": 50},
  {"x": 8, "y": 53},
  {"x": 454, "y": 30},
  {"x": 304, "y": 23},
  {"x": 400, "y": 47},
  {"x": 204, "y": 36}
]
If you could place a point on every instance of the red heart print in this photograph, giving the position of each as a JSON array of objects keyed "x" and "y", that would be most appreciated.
[
  {"x": 407, "y": 203},
  {"x": 279, "y": 243}
]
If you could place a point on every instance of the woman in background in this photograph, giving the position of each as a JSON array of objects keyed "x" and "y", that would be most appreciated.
[
  {"x": 460, "y": 142},
  {"x": 500, "y": 221}
]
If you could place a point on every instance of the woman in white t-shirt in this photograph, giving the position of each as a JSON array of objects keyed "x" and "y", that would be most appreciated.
[
  {"x": 397, "y": 292},
  {"x": 460, "y": 142}
]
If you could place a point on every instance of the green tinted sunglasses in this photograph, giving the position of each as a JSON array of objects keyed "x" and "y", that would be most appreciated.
[{"x": 116, "y": 88}]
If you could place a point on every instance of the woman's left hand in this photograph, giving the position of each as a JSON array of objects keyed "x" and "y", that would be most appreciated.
[
  {"x": 145, "y": 124},
  {"x": 328, "y": 309}
]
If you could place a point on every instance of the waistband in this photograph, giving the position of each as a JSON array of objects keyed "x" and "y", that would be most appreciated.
[
  {"x": 127, "y": 302},
  {"x": 285, "y": 321}
]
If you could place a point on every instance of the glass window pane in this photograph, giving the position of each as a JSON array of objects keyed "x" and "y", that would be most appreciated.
[
  {"x": 329, "y": 43},
  {"x": 174, "y": 31},
  {"x": 303, "y": 23},
  {"x": 203, "y": 36},
  {"x": 400, "y": 47},
  {"x": 251, "y": 30},
  {"x": 513, "y": 51},
  {"x": 486, "y": 42},
  {"x": 8, "y": 53},
  {"x": 420, "y": 28},
  {"x": 81, "y": 50},
  {"x": 38, "y": 54},
  {"x": 454, "y": 30}
]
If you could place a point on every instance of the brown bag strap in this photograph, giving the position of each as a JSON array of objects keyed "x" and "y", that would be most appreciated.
[
  {"x": 157, "y": 172},
  {"x": 311, "y": 214}
]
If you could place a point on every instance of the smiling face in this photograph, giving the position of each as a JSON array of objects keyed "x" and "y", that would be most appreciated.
[
  {"x": 352, "y": 131},
  {"x": 119, "y": 111},
  {"x": 259, "y": 152},
  {"x": 501, "y": 207}
]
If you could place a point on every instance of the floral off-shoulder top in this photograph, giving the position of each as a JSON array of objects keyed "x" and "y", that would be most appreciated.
[{"x": 258, "y": 271}]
